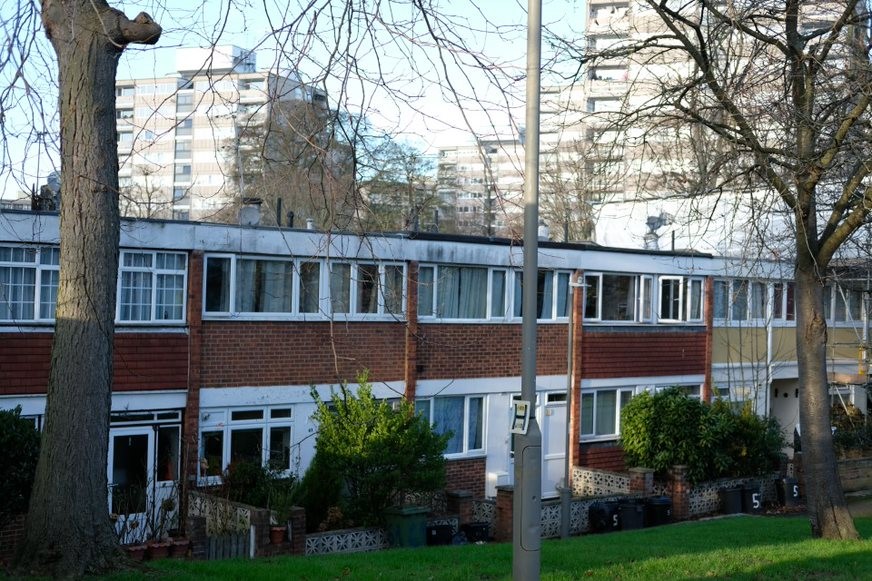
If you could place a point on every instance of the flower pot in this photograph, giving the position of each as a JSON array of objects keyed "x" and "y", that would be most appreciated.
[
  {"x": 159, "y": 550},
  {"x": 135, "y": 552},
  {"x": 179, "y": 548},
  {"x": 277, "y": 535}
]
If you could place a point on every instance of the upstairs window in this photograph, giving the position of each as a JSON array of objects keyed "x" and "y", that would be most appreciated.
[
  {"x": 152, "y": 286},
  {"x": 461, "y": 292},
  {"x": 28, "y": 283},
  {"x": 681, "y": 299},
  {"x": 552, "y": 294},
  {"x": 617, "y": 297}
]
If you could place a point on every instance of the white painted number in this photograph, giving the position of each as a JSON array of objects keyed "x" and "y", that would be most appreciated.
[
  {"x": 615, "y": 520},
  {"x": 796, "y": 491},
  {"x": 756, "y": 500}
]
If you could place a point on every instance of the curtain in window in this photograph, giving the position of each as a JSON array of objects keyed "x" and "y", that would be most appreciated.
[
  {"x": 263, "y": 286},
  {"x": 720, "y": 304},
  {"x": 48, "y": 293},
  {"x": 544, "y": 294},
  {"x": 498, "y": 294},
  {"x": 606, "y": 402},
  {"x": 587, "y": 413},
  {"x": 591, "y": 297},
  {"x": 135, "y": 296},
  {"x": 448, "y": 417},
  {"x": 462, "y": 293},
  {"x": 740, "y": 300},
  {"x": 562, "y": 293},
  {"x": 17, "y": 288},
  {"x": 425, "y": 291}
]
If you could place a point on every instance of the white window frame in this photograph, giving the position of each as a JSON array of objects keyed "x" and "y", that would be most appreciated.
[
  {"x": 517, "y": 298},
  {"x": 680, "y": 302},
  {"x": 221, "y": 420},
  {"x": 154, "y": 272},
  {"x": 508, "y": 283},
  {"x": 41, "y": 271},
  {"x": 325, "y": 305},
  {"x": 465, "y": 449},
  {"x": 593, "y": 436}
]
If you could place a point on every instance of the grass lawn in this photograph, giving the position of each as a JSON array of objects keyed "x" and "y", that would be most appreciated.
[{"x": 742, "y": 547}]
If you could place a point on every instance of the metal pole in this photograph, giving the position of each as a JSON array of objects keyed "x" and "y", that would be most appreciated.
[
  {"x": 566, "y": 490},
  {"x": 527, "y": 501}
]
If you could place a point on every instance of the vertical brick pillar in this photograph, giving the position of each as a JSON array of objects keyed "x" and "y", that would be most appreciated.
[
  {"x": 574, "y": 403},
  {"x": 411, "y": 351},
  {"x": 641, "y": 481},
  {"x": 260, "y": 522},
  {"x": 191, "y": 427},
  {"x": 708, "y": 310},
  {"x": 298, "y": 530},
  {"x": 459, "y": 502},
  {"x": 195, "y": 527},
  {"x": 680, "y": 493},
  {"x": 503, "y": 526}
]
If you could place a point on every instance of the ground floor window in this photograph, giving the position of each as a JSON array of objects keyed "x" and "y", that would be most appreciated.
[
  {"x": 601, "y": 412},
  {"x": 462, "y": 416},
  {"x": 259, "y": 435}
]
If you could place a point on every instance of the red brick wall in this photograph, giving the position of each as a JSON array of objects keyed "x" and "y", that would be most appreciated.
[
  {"x": 11, "y": 534},
  {"x": 239, "y": 353},
  {"x": 471, "y": 350},
  {"x": 602, "y": 457},
  {"x": 142, "y": 361},
  {"x": 467, "y": 474},
  {"x": 633, "y": 354}
]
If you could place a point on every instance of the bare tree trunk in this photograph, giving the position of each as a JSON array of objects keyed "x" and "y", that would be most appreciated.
[
  {"x": 68, "y": 529},
  {"x": 827, "y": 507}
]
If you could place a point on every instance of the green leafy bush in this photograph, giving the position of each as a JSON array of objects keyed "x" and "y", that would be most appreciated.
[
  {"x": 669, "y": 428},
  {"x": 852, "y": 431},
  {"x": 368, "y": 456},
  {"x": 19, "y": 444}
]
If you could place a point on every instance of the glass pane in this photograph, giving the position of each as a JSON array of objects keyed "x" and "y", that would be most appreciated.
[
  {"x": 841, "y": 311},
  {"x": 129, "y": 473},
  {"x": 519, "y": 298},
  {"x": 694, "y": 300},
  {"x": 647, "y": 286},
  {"x": 242, "y": 415},
  {"x": 245, "y": 445},
  {"x": 721, "y": 305},
  {"x": 448, "y": 417},
  {"x": 168, "y": 453},
  {"x": 855, "y": 305},
  {"x": 605, "y": 412},
  {"x": 544, "y": 294},
  {"x": 790, "y": 302},
  {"x": 367, "y": 288},
  {"x": 425, "y": 291},
  {"x": 263, "y": 286},
  {"x": 562, "y": 293},
  {"x": 394, "y": 289},
  {"x": 17, "y": 292},
  {"x": 462, "y": 293},
  {"x": 586, "y": 414},
  {"x": 280, "y": 413},
  {"x": 498, "y": 294},
  {"x": 619, "y": 298},
  {"x": 591, "y": 297},
  {"x": 310, "y": 286},
  {"x": 475, "y": 425},
  {"x": 758, "y": 300},
  {"x": 670, "y": 299},
  {"x": 740, "y": 300},
  {"x": 828, "y": 302},
  {"x": 48, "y": 293},
  {"x": 422, "y": 407},
  {"x": 280, "y": 448},
  {"x": 340, "y": 288},
  {"x": 218, "y": 285},
  {"x": 212, "y": 456},
  {"x": 170, "y": 297},
  {"x": 135, "y": 296}
]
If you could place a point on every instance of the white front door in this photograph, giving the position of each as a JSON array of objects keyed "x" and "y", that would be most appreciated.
[
  {"x": 553, "y": 417},
  {"x": 131, "y": 480}
]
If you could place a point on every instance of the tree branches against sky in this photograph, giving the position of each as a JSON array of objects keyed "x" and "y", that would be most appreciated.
[{"x": 434, "y": 73}]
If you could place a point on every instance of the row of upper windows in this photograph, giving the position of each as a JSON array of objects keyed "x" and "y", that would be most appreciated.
[
  {"x": 152, "y": 288},
  {"x": 745, "y": 300}
]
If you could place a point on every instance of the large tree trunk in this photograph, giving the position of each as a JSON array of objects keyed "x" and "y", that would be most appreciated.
[
  {"x": 68, "y": 532},
  {"x": 827, "y": 507}
]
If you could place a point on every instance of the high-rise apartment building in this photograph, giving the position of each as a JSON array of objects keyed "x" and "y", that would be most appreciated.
[{"x": 177, "y": 135}]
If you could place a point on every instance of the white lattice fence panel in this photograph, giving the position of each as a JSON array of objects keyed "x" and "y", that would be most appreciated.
[
  {"x": 588, "y": 482},
  {"x": 485, "y": 511},
  {"x": 549, "y": 522},
  {"x": 346, "y": 541},
  {"x": 705, "y": 498}
]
